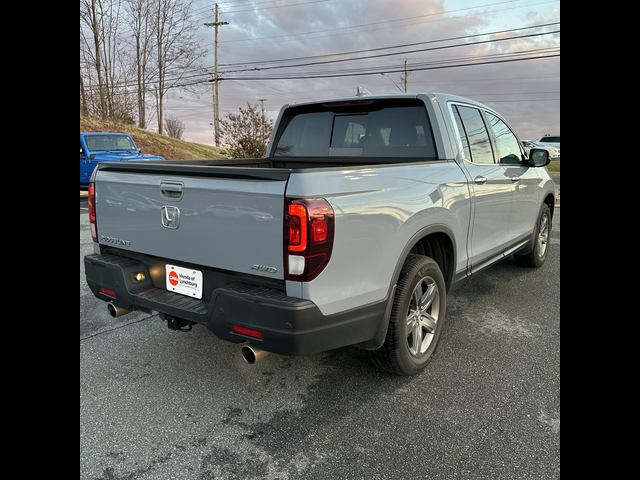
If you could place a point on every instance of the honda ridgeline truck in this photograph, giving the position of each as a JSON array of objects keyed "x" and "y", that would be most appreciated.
[
  {"x": 106, "y": 147},
  {"x": 364, "y": 214}
]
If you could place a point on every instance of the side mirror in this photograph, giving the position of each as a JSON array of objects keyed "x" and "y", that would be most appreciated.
[{"x": 538, "y": 157}]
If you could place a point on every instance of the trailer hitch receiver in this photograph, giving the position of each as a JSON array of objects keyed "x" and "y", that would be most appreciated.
[{"x": 177, "y": 324}]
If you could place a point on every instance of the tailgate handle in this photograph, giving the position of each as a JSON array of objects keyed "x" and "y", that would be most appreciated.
[{"x": 171, "y": 190}]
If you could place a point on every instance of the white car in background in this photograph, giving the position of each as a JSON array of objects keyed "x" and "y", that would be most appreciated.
[
  {"x": 552, "y": 141},
  {"x": 554, "y": 152}
]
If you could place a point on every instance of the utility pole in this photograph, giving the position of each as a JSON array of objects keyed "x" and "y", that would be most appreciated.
[
  {"x": 214, "y": 75},
  {"x": 262, "y": 100},
  {"x": 406, "y": 74}
]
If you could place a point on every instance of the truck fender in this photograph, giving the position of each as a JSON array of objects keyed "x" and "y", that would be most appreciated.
[{"x": 438, "y": 231}]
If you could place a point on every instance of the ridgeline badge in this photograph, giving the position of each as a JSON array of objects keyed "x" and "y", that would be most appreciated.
[{"x": 115, "y": 241}]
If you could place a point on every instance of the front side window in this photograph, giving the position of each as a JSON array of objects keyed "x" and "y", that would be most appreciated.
[
  {"x": 477, "y": 134},
  {"x": 507, "y": 145},
  {"x": 374, "y": 128}
]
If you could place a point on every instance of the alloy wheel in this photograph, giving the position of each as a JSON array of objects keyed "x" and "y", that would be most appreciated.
[{"x": 422, "y": 317}]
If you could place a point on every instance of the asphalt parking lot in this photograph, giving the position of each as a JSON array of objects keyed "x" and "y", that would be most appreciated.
[{"x": 159, "y": 404}]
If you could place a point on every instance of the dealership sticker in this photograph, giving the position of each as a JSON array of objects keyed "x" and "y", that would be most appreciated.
[{"x": 185, "y": 281}]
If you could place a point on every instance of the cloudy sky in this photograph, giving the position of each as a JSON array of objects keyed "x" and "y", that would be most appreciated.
[{"x": 502, "y": 53}]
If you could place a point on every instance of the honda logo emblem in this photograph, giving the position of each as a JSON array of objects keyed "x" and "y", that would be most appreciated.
[{"x": 170, "y": 217}]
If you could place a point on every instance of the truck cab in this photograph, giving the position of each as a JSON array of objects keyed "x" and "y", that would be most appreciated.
[{"x": 106, "y": 147}]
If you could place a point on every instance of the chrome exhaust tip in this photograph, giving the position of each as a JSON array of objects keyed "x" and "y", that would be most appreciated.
[
  {"x": 253, "y": 354},
  {"x": 116, "y": 311}
]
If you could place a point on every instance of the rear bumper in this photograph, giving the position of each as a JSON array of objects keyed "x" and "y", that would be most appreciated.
[{"x": 289, "y": 326}]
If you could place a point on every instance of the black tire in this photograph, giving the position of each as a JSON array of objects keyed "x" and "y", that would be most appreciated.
[
  {"x": 541, "y": 235},
  {"x": 411, "y": 338}
]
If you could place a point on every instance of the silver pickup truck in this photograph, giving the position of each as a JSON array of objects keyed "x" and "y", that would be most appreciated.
[{"x": 365, "y": 213}]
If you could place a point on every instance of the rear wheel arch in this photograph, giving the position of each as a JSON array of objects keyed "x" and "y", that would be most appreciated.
[
  {"x": 439, "y": 246},
  {"x": 416, "y": 321},
  {"x": 434, "y": 241}
]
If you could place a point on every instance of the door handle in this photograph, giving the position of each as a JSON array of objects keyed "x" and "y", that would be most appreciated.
[
  {"x": 480, "y": 180},
  {"x": 515, "y": 178}
]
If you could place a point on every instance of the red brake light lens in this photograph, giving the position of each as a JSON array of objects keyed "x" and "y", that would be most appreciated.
[
  {"x": 297, "y": 228},
  {"x": 348, "y": 103},
  {"x": 91, "y": 200},
  {"x": 309, "y": 228}
]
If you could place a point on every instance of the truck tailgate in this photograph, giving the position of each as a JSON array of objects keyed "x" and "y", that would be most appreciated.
[{"x": 222, "y": 217}]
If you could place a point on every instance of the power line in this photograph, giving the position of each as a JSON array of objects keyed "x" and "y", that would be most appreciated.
[
  {"x": 353, "y": 27},
  {"x": 391, "y": 71},
  {"x": 277, "y": 6},
  {"x": 404, "y": 52},
  {"x": 498, "y": 32},
  {"x": 199, "y": 75}
]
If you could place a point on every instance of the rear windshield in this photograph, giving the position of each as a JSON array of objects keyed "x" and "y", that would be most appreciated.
[{"x": 366, "y": 128}]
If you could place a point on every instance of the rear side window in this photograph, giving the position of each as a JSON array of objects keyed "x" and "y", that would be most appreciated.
[{"x": 369, "y": 128}]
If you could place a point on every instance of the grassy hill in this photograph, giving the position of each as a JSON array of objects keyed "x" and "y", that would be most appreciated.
[{"x": 153, "y": 143}]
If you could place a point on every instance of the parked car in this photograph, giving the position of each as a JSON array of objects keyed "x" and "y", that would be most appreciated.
[
  {"x": 554, "y": 153},
  {"x": 548, "y": 141},
  {"x": 371, "y": 210},
  {"x": 107, "y": 147}
]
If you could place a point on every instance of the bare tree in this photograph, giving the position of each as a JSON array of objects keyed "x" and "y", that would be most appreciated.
[
  {"x": 90, "y": 15},
  {"x": 105, "y": 59},
  {"x": 142, "y": 27},
  {"x": 247, "y": 132},
  {"x": 176, "y": 50},
  {"x": 121, "y": 43},
  {"x": 174, "y": 127}
]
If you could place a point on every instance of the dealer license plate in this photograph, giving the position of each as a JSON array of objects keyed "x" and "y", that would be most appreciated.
[{"x": 184, "y": 281}]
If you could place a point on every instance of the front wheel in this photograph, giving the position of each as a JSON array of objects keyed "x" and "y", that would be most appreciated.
[
  {"x": 538, "y": 255},
  {"x": 417, "y": 318}
]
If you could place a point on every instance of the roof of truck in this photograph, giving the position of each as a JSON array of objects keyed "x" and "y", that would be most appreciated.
[{"x": 446, "y": 97}]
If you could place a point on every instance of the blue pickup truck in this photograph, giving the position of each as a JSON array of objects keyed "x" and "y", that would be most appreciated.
[{"x": 106, "y": 147}]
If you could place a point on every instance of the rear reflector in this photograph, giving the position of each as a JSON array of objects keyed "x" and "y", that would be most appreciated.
[
  {"x": 106, "y": 291},
  {"x": 247, "y": 331}
]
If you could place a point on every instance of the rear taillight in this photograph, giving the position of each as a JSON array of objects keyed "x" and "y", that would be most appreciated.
[
  {"x": 92, "y": 212},
  {"x": 309, "y": 230}
]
